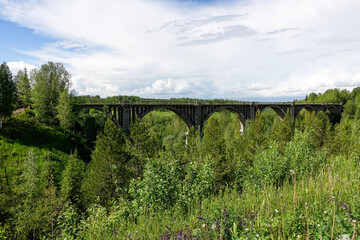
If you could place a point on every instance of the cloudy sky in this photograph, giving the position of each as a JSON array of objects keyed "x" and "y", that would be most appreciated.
[{"x": 235, "y": 49}]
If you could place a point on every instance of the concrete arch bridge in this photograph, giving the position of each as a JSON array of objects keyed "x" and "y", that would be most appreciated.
[{"x": 196, "y": 114}]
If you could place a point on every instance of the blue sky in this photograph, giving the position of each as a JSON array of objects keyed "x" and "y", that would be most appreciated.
[
  {"x": 16, "y": 39},
  {"x": 237, "y": 49}
]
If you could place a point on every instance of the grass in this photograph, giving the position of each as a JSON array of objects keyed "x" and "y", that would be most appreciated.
[
  {"x": 22, "y": 133},
  {"x": 325, "y": 205},
  {"x": 23, "y": 130}
]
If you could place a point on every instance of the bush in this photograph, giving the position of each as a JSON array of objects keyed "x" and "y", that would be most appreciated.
[{"x": 159, "y": 188}]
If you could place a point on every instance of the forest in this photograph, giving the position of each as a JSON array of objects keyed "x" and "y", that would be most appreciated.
[{"x": 72, "y": 174}]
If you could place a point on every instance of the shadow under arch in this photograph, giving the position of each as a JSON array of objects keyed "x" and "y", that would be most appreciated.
[
  {"x": 187, "y": 121},
  {"x": 332, "y": 109},
  {"x": 279, "y": 112},
  {"x": 299, "y": 113},
  {"x": 241, "y": 118},
  {"x": 334, "y": 114}
]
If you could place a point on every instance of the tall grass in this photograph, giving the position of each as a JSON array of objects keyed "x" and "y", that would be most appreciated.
[{"x": 324, "y": 205}]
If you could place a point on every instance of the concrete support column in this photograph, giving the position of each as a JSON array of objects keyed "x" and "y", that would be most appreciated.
[
  {"x": 252, "y": 110},
  {"x": 126, "y": 117},
  {"x": 292, "y": 111},
  {"x": 198, "y": 116}
]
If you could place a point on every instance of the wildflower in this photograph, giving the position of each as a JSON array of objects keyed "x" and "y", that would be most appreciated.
[
  {"x": 246, "y": 229},
  {"x": 325, "y": 212},
  {"x": 276, "y": 211},
  {"x": 292, "y": 172},
  {"x": 213, "y": 226},
  {"x": 257, "y": 235},
  {"x": 201, "y": 218},
  {"x": 204, "y": 225},
  {"x": 179, "y": 235},
  {"x": 354, "y": 221},
  {"x": 319, "y": 225}
]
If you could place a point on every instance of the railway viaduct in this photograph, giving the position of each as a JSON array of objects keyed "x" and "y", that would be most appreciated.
[{"x": 196, "y": 114}]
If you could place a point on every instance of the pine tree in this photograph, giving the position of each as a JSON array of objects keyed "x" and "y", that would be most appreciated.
[
  {"x": 8, "y": 96},
  {"x": 107, "y": 175},
  {"x": 141, "y": 146},
  {"x": 254, "y": 137},
  {"x": 71, "y": 179},
  {"x": 283, "y": 130},
  {"x": 215, "y": 148},
  {"x": 23, "y": 88}
]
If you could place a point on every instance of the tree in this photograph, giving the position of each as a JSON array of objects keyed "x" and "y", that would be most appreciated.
[
  {"x": 107, "y": 175},
  {"x": 49, "y": 82},
  {"x": 254, "y": 137},
  {"x": 64, "y": 111},
  {"x": 23, "y": 88},
  {"x": 140, "y": 146},
  {"x": 283, "y": 130},
  {"x": 8, "y": 95},
  {"x": 215, "y": 148},
  {"x": 71, "y": 179}
]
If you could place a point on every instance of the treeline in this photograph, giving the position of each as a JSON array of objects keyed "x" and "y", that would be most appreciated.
[
  {"x": 279, "y": 179},
  {"x": 137, "y": 100}
]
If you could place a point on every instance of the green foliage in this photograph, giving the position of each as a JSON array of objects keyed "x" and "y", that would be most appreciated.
[
  {"x": 350, "y": 109},
  {"x": 319, "y": 126},
  {"x": 71, "y": 179},
  {"x": 269, "y": 166},
  {"x": 68, "y": 222},
  {"x": 49, "y": 82},
  {"x": 283, "y": 130},
  {"x": 8, "y": 94},
  {"x": 331, "y": 96},
  {"x": 64, "y": 111},
  {"x": 215, "y": 148},
  {"x": 23, "y": 88},
  {"x": 107, "y": 176},
  {"x": 199, "y": 182},
  {"x": 254, "y": 136},
  {"x": 159, "y": 187},
  {"x": 276, "y": 180},
  {"x": 140, "y": 146},
  {"x": 90, "y": 122}
]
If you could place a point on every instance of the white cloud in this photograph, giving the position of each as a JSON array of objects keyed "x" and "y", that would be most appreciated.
[
  {"x": 165, "y": 89},
  {"x": 16, "y": 66},
  {"x": 238, "y": 49}
]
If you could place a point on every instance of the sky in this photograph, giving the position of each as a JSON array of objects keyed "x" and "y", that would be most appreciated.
[{"x": 258, "y": 50}]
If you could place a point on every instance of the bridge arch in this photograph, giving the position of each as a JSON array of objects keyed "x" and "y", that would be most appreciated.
[
  {"x": 304, "y": 108},
  {"x": 184, "y": 118},
  {"x": 332, "y": 109},
  {"x": 241, "y": 118},
  {"x": 278, "y": 110},
  {"x": 308, "y": 108}
]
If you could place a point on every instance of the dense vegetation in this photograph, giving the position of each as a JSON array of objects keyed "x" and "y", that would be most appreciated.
[{"x": 66, "y": 175}]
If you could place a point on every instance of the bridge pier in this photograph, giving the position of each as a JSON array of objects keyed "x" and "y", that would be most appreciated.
[
  {"x": 126, "y": 117},
  {"x": 198, "y": 116},
  {"x": 252, "y": 110}
]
